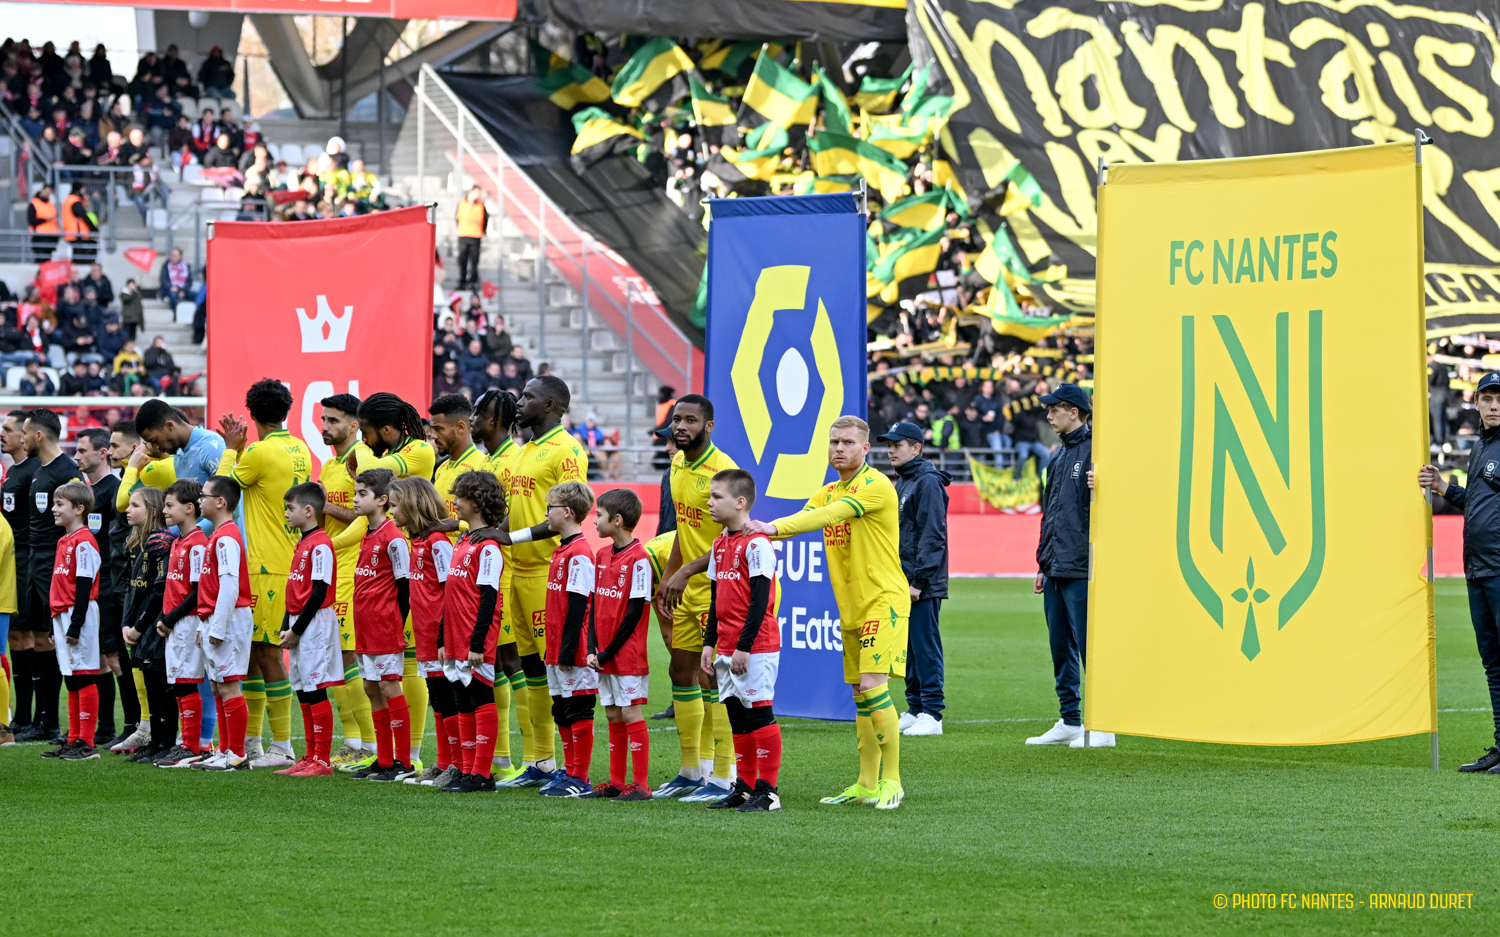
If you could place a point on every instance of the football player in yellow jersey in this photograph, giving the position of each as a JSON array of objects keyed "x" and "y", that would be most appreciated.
[
  {"x": 702, "y": 730},
  {"x": 142, "y": 464},
  {"x": 393, "y": 431},
  {"x": 341, "y": 434},
  {"x": 452, "y": 416},
  {"x": 550, "y": 458},
  {"x": 861, "y": 533},
  {"x": 264, "y": 470}
]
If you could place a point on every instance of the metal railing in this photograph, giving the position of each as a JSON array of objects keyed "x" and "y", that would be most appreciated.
[
  {"x": 434, "y": 99},
  {"x": 27, "y": 170}
]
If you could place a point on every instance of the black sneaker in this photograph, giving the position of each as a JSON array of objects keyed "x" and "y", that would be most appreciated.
[
  {"x": 104, "y": 737},
  {"x": 61, "y": 750},
  {"x": 175, "y": 757},
  {"x": 145, "y": 754},
  {"x": 481, "y": 784},
  {"x": 33, "y": 733},
  {"x": 460, "y": 785},
  {"x": 1486, "y": 762},
  {"x": 669, "y": 713},
  {"x": 396, "y": 772},
  {"x": 765, "y": 798},
  {"x": 737, "y": 798},
  {"x": 80, "y": 753},
  {"x": 368, "y": 772},
  {"x": 605, "y": 791}
]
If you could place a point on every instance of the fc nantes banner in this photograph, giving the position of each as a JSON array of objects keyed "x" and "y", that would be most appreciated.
[
  {"x": 1266, "y": 586},
  {"x": 785, "y": 357},
  {"x": 1062, "y": 84}
]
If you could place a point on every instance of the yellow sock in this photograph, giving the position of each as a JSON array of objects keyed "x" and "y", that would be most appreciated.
[
  {"x": 687, "y": 703},
  {"x": 723, "y": 741},
  {"x": 279, "y": 708},
  {"x": 253, "y": 688},
  {"x": 5, "y": 694},
  {"x": 415, "y": 690},
  {"x": 140, "y": 694},
  {"x": 543, "y": 727},
  {"x": 347, "y": 697},
  {"x": 869, "y": 744},
  {"x": 887, "y": 732},
  {"x": 502, "y": 716},
  {"x": 520, "y": 701},
  {"x": 706, "y": 733}
]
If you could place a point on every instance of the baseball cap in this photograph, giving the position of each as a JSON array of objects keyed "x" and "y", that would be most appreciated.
[
  {"x": 1075, "y": 396},
  {"x": 664, "y": 433},
  {"x": 1489, "y": 381},
  {"x": 902, "y": 430}
]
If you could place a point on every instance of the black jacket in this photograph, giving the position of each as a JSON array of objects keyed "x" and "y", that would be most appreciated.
[
  {"x": 923, "y": 492},
  {"x": 146, "y": 583},
  {"x": 1063, "y": 552},
  {"x": 666, "y": 512},
  {"x": 1480, "y": 502}
]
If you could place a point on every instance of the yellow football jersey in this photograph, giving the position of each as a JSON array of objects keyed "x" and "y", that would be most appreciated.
[
  {"x": 264, "y": 472},
  {"x": 411, "y": 458},
  {"x": 552, "y": 459},
  {"x": 659, "y": 550},
  {"x": 502, "y": 461},
  {"x": 158, "y": 474},
  {"x": 448, "y": 473},
  {"x": 862, "y": 537},
  {"x": 695, "y": 529},
  {"x": 339, "y": 485},
  {"x": 7, "y": 570}
]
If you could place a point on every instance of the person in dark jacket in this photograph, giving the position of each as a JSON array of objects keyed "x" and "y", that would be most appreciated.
[
  {"x": 666, "y": 521},
  {"x": 1062, "y": 559},
  {"x": 1480, "y": 502},
  {"x": 922, "y": 491}
]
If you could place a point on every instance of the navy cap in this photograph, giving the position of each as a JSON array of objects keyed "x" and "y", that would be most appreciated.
[
  {"x": 664, "y": 433},
  {"x": 1075, "y": 396},
  {"x": 902, "y": 430},
  {"x": 1489, "y": 381}
]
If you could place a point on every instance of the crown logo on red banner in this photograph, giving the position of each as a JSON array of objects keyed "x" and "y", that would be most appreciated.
[{"x": 325, "y": 331}]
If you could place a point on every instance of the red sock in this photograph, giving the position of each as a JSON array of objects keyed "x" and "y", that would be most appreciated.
[
  {"x": 400, "y": 721},
  {"x": 309, "y": 743},
  {"x": 617, "y": 747},
  {"x": 768, "y": 752},
  {"x": 466, "y": 742},
  {"x": 236, "y": 719},
  {"x": 322, "y": 722},
  {"x": 455, "y": 741},
  {"x": 5, "y": 662},
  {"x": 444, "y": 755},
  {"x": 486, "y": 727},
  {"x": 88, "y": 712},
  {"x": 223, "y": 726},
  {"x": 640, "y": 751},
  {"x": 190, "y": 713},
  {"x": 744, "y": 758},
  {"x": 383, "y": 741},
  {"x": 73, "y": 732},
  {"x": 583, "y": 748}
]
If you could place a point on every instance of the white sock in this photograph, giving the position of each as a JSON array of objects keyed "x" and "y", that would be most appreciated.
[
  {"x": 252, "y": 740},
  {"x": 284, "y": 747},
  {"x": 353, "y": 742},
  {"x": 370, "y": 748},
  {"x": 502, "y": 761},
  {"x": 692, "y": 774},
  {"x": 548, "y": 765},
  {"x": 528, "y": 764},
  {"x": 705, "y": 767}
]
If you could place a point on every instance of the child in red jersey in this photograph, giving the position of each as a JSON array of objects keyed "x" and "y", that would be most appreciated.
[
  {"x": 572, "y": 684},
  {"x": 75, "y": 617},
  {"x": 617, "y": 642},
  {"x": 311, "y": 629},
  {"x": 179, "y": 622},
  {"x": 471, "y": 629},
  {"x": 382, "y": 599},
  {"x": 742, "y": 642},
  {"x": 224, "y": 607}
]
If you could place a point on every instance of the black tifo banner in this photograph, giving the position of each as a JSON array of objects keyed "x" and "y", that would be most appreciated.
[{"x": 1057, "y": 85}]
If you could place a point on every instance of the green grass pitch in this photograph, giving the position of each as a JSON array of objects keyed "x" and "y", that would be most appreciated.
[{"x": 993, "y": 838}]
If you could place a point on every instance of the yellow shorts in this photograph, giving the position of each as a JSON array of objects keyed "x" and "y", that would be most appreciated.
[
  {"x": 343, "y": 607},
  {"x": 507, "y": 613},
  {"x": 690, "y": 618},
  {"x": 525, "y": 618},
  {"x": 875, "y": 646},
  {"x": 268, "y": 606}
]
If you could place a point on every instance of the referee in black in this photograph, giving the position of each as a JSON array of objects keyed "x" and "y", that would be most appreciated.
[{"x": 1480, "y": 502}]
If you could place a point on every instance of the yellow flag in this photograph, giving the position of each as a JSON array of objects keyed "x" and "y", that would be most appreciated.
[{"x": 1259, "y": 552}]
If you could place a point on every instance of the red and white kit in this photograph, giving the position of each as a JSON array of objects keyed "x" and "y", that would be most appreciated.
[
  {"x": 735, "y": 559},
  {"x": 431, "y": 555},
  {"x": 571, "y": 573},
  {"x": 474, "y": 565},
  {"x": 184, "y": 569},
  {"x": 77, "y": 555},
  {"x": 379, "y": 631},
  {"x": 224, "y": 605},
  {"x": 316, "y": 661},
  {"x": 621, "y": 575}
]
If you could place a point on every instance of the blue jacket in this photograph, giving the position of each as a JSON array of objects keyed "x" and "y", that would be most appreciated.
[
  {"x": 1063, "y": 551},
  {"x": 1480, "y": 502},
  {"x": 922, "y": 489}
]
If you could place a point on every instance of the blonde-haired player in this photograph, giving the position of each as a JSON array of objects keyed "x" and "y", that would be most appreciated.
[{"x": 861, "y": 534}]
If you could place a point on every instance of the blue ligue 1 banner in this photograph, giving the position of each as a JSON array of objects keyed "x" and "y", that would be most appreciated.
[{"x": 785, "y": 358}]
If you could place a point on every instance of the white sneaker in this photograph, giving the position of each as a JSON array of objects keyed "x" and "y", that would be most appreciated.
[
  {"x": 1096, "y": 740},
  {"x": 906, "y": 721},
  {"x": 253, "y": 749},
  {"x": 925, "y": 725},
  {"x": 1059, "y": 734},
  {"x": 212, "y": 761},
  {"x": 272, "y": 758},
  {"x": 138, "y": 739}
]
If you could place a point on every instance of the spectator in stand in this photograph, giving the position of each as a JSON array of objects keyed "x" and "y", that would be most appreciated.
[
  {"x": 144, "y": 183},
  {"x": 221, "y": 155},
  {"x": 33, "y": 123},
  {"x": 88, "y": 122},
  {"x": 39, "y": 340},
  {"x": 492, "y": 377},
  {"x": 135, "y": 147},
  {"x": 1024, "y": 413},
  {"x": 114, "y": 119},
  {"x": 109, "y": 155},
  {"x": 76, "y": 336},
  {"x": 110, "y": 337},
  {"x": 127, "y": 355},
  {"x": 216, "y": 75},
  {"x": 162, "y": 114},
  {"x": 100, "y": 72},
  {"x": 498, "y": 341},
  {"x": 973, "y": 432},
  {"x": 158, "y": 361},
  {"x": 126, "y": 377},
  {"x": 988, "y": 404},
  {"x": 49, "y": 149},
  {"x": 92, "y": 308},
  {"x": 97, "y": 380},
  {"x": 205, "y": 132},
  {"x": 177, "y": 75},
  {"x": 448, "y": 381},
  {"x": 35, "y": 382},
  {"x": 471, "y": 365},
  {"x": 176, "y": 279},
  {"x": 76, "y": 382},
  {"x": 473, "y": 220},
  {"x": 921, "y": 416},
  {"x": 148, "y": 78},
  {"x": 511, "y": 379},
  {"x": 132, "y": 311}
]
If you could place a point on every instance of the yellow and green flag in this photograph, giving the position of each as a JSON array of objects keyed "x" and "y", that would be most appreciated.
[
  {"x": 1001, "y": 489},
  {"x": 570, "y": 85},
  {"x": 899, "y": 135},
  {"x": 927, "y": 211},
  {"x": 777, "y": 96},
  {"x": 837, "y": 154},
  {"x": 906, "y": 258},
  {"x": 730, "y": 58},
  {"x": 599, "y": 134},
  {"x": 709, "y": 109},
  {"x": 836, "y": 115},
  {"x": 877, "y": 95},
  {"x": 653, "y": 64}
]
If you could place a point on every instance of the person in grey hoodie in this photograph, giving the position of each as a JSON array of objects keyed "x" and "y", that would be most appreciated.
[{"x": 922, "y": 489}]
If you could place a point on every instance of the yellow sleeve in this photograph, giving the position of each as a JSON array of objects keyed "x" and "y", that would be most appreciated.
[
  {"x": 417, "y": 463},
  {"x": 352, "y": 534},
  {"x": 128, "y": 484},
  {"x": 242, "y": 469},
  {"x": 811, "y": 518},
  {"x": 7, "y": 569}
]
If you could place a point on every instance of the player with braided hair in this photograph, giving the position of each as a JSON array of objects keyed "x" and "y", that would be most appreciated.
[{"x": 393, "y": 430}]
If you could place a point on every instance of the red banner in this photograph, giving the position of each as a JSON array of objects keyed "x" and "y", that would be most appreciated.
[
  {"x": 325, "y": 307},
  {"x": 503, "y": 10}
]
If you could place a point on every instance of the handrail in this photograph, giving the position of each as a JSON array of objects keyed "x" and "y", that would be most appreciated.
[
  {"x": 35, "y": 167},
  {"x": 586, "y": 239}
]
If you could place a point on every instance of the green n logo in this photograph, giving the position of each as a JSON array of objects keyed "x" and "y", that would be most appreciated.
[{"x": 1273, "y": 418}]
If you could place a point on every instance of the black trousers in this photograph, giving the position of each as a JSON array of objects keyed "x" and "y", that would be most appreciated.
[{"x": 468, "y": 263}]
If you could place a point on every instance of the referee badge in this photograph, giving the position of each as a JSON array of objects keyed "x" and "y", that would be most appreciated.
[
  {"x": 41, "y": 502},
  {"x": 10, "y": 501},
  {"x": 95, "y": 522}
]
